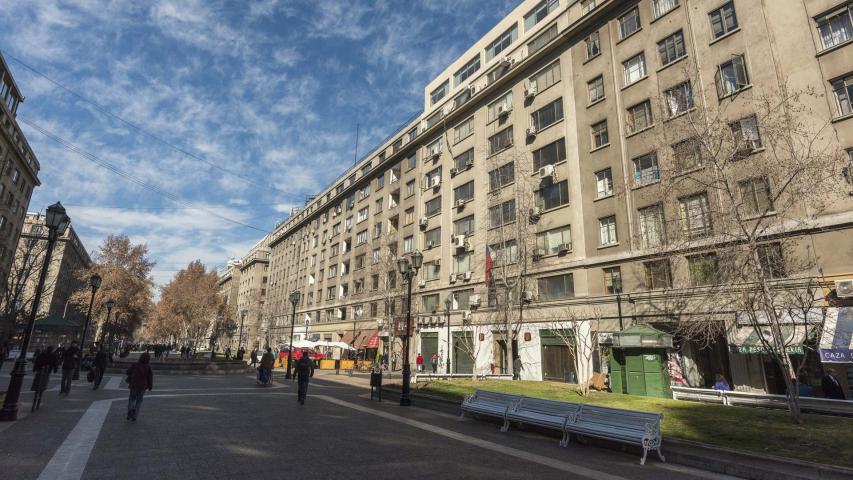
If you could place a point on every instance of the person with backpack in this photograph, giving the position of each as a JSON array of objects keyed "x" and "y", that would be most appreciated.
[{"x": 139, "y": 378}]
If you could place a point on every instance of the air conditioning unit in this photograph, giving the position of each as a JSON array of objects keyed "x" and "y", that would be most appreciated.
[
  {"x": 472, "y": 89},
  {"x": 435, "y": 152},
  {"x": 452, "y": 278},
  {"x": 504, "y": 109},
  {"x": 422, "y": 283},
  {"x": 423, "y": 222},
  {"x": 564, "y": 248},
  {"x": 527, "y": 296},
  {"x": 466, "y": 316},
  {"x": 535, "y": 213},
  {"x": 435, "y": 182},
  {"x": 507, "y": 61},
  {"x": 531, "y": 131},
  {"x": 546, "y": 172},
  {"x": 530, "y": 91},
  {"x": 537, "y": 255},
  {"x": 429, "y": 245},
  {"x": 453, "y": 171},
  {"x": 460, "y": 203},
  {"x": 466, "y": 276},
  {"x": 459, "y": 241},
  {"x": 844, "y": 288},
  {"x": 474, "y": 301},
  {"x": 436, "y": 262}
]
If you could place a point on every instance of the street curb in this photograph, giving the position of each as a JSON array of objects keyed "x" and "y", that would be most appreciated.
[{"x": 698, "y": 455}]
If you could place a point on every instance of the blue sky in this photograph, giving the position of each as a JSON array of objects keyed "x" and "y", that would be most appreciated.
[{"x": 272, "y": 89}]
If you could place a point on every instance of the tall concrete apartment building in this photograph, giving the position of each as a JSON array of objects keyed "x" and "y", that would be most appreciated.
[
  {"x": 19, "y": 169},
  {"x": 251, "y": 276},
  {"x": 528, "y": 138}
]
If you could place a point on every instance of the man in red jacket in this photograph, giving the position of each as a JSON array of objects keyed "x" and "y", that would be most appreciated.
[{"x": 139, "y": 378}]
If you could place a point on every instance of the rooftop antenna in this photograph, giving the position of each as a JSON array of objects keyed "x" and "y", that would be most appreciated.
[{"x": 355, "y": 155}]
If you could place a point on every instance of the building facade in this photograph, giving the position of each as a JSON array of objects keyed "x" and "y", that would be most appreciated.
[
  {"x": 251, "y": 295},
  {"x": 19, "y": 169},
  {"x": 535, "y": 159},
  {"x": 229, "y": 287}
]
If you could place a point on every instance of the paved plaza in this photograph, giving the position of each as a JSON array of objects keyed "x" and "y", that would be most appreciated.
[{"x": 226, "y": 427}]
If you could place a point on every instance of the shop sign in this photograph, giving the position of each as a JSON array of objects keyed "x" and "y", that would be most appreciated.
[{"x": 836, "y": 343}]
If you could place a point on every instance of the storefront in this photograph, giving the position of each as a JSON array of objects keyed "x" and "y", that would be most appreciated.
[
  {"x": 463, "y": 351},
  {"x": 836, "y": 346},
  {"x": 557, "y": 359}
]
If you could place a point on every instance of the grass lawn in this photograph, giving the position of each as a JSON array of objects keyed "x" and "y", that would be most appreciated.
[{"x": 821, "y": 438}]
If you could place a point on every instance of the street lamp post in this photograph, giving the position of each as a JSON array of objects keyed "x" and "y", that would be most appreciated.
[
  {"x": 294, "y": 300},
  {"x": 95, "y": 283},
  {"x": 448, "y": 302},
  {"x": 243, "y": 313},
  {"x": 617, "y": 289},
  {"x": 408, "y": 269},
  {"x": 57, "y": 221},
  {"x": 109, "y": 304}
]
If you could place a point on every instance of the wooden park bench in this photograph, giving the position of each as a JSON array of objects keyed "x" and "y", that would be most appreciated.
[{"x": 492, "y": 404}]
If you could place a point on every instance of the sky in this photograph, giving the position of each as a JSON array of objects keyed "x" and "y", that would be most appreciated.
[{"x": 229, "y": 113}]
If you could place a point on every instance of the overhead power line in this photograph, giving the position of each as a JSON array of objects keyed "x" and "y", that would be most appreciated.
[
  {"x": 142, "y": 183},
  {"x": 138, "y": 128}
]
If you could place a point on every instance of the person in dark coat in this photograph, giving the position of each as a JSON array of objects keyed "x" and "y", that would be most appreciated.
[
  {"x": 42, "y": 367},
  {"x": 100, "y": 365},
  {"x": 70, "y": 361},
  {"x": 139, "y": 378},
  {"x": 831, "y": 386},
  {"x": 304, "y": 371}
]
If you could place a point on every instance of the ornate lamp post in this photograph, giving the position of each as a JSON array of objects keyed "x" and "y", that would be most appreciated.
[
  {"x": 243, "y": 313},
  {"x": 294, "y": 301},
  {"x": 57, "y": 221},
  {"x": 448, "y": 302},
  {"x": 408, "y": 268},
  {"x": 617, "y": 289},
  {"x": 95, "y": 283}
]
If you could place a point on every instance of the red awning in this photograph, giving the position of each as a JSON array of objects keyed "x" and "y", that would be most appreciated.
[
  {"x": 373, "y": 342},
  {"x": 363, "y": 338}
]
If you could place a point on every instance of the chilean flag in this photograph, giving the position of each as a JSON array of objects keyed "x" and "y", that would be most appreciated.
[{"x": 489, "y": 261}]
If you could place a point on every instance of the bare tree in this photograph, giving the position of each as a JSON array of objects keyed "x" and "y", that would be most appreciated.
[
  {"x": 18, "y": 293},
  {"x": 577, "y": 328},
  {"x": 746, "y": 188}
]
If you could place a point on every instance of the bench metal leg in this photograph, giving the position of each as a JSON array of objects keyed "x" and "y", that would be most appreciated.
[
  {"x": 461, "y": 416},
  {"x": 660, "y": 455},
  {"x": 643, "y": 460},
  {"x": 566, "y": 439},
  {"x": 505, "y": 426}
]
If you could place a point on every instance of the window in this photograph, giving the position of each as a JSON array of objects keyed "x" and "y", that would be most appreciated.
[
  {"x": 333, "y": 270},
  {"x": 704, "y": 269},
  {"x": 695, "y": 216},
  {"x": 502, "y": 214},
  {"x": 661, "y": 7},
  {"x": 629, "y": 22},
  {"x": 462, "y": 299},
  {"x": 377, "y": 230},
  {"x": 376, "y": 256},
  {"x": 409, "y": 216},
  {"x": 652, "y": 233},
  {"x": 506, "y": 252},
  {"x": 546, "y": 77},
  {"x": 836, "y": 27},
  {"x": 553, "y": 196},
  {"x": 843, "y": 89},
  {"x": 745, "y": 134},
  {"x": 502, "y": 176},
  {"x": 430, "y": 303},
  {"x": 362, "y": 214},
  {"x": 433, "y": 207},
  {"x": 755, "y": 193},
  {"x": 634, "y": 68},
  {"x": 539, "y": 12},
  {"x": 465, "y": 72},
  {"x": 359, "y": 261},
  {"x": 380, "y": 182},
  {"x": 374, "y": 281},
  {"x": 688, "y": 154},
  {"x": 335, "y": 250},
  {"x": 465, "y": 192},
  {"x": 543, "y": 39},
  {"x": 723, "y": 20},
  {"x": 378, "y": 205},
  {"x": 596, "y": 89},
  {"x": 639, "y": 117},
  {"x": 603, "y": 183},
  {"x": 15, "y": 175},
  {"x": 433, "y": 178},
  {"x": 731, "y": 77},
  {"x": 550, "y": 242},
  {"x": 411, "y": 163},
  {"x": 463, "y": 130},
  {"x": 612, "y": 280},
  {"x": 679, "y": 99},
  {"x": 408, "y": 244},
  {"x": 433, "y": 147},
  {"x": 361, "y": 237},
  {"x": 410, "y": 188},
  {"x": 771, "y": 261},
  {"x": 557, "y": 287},
  {"x": 330, "y": 293},
  {"x": 463, "y": 161},
  {"x": 593, "y": 45},
  {"x": 348, "y": 223},
  {"x": 671, "y": 48},
  {"x": 464, "y": 226},
  {"x": 549, "y": 154},
  {"x": 607, "y": 231},
  {"x": 432, "y": 238},
  {"x": 657, "y": 274},
  {"x": 599, "y": 134},
  {"x": 413, "y": 134},
  {"x": 547, "y": 115},
  {"x": 462, "y": 262},
  {"x": 500, "y": 141},
  {"x": 501, "y": 43},
  {"x": 500, "y": 106},
  {"x": 646, "y": 169},
  {"x": 439, "y": 92},
  {"x": 432, "y": 271}
]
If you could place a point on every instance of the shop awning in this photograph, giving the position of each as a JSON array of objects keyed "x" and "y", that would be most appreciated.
[
  {"x": 363, "y": 337},
  {"x": 347, "y": 338},
  {"x": 836, "y": 343},
  {"x": 373, "y": 341},
  {"x": 747, "y": 340},
  {"x": 55, "y": 322}
]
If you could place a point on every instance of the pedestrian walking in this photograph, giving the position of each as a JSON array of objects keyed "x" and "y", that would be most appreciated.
[
  {"x": 831, "y": 386},
  {"x": 100, "y": 365},
  {"x": 139, "y": 378},
  {"x": 304, "y": 371},
  {"x": 517, "y": 367},
  {"x": 265, "y": 370},
  {"x": 419, "y": 361},
  {"x": 70, "y": 363},
  {"x": 57, "y": 358},
  {"x": 434, "y": 362},
  {"x": 42, "y": 367},
  {"x": 253, "y": 357}
]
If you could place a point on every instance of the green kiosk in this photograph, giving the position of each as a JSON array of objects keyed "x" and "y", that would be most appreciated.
[{"x": 638, "y": 362}]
